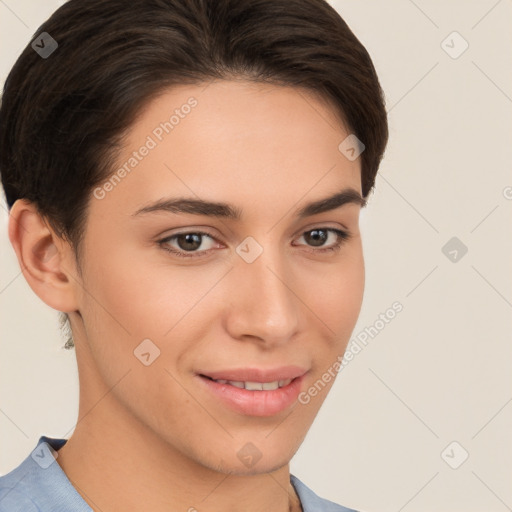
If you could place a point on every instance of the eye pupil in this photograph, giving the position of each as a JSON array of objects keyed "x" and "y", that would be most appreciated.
[
  {"x": 317, "y": 239},
  {"x": 190, "y": 238}
]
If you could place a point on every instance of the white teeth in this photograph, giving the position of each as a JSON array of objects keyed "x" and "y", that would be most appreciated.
[{"x": 256, "y": 386}]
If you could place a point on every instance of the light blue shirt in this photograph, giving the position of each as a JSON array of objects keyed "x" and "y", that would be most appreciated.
[{"x": 39, "y": 484}]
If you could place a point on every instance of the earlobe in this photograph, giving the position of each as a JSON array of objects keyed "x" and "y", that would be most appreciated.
[{"x": 43, "y": 257}]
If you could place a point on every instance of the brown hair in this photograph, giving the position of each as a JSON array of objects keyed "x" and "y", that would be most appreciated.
[{"x": 63, "y": 117}]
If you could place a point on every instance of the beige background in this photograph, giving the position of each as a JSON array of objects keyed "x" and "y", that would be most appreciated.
[{"x": 440, "y": 371}]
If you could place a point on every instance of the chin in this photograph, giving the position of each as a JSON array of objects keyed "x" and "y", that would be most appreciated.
[
  {"x": 259, "y": 468},
  {"x": 235, "y": 466}
]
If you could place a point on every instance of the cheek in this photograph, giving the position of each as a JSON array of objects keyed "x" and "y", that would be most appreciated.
[
  {"x": 335, "y": 301},
  {"x": 138, "y": 293},
  {"x": 338, "y": 293},
  {"x": 141, "y": 299},
  {"x": 348, "y": 293},
  {"x": 131, "y": 302}
]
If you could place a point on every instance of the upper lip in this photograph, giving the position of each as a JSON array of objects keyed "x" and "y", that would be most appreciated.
[{"x": 256, "y": 374}]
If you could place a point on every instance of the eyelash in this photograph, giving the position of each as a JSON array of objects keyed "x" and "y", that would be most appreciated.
[{"x": 343, "y": 236}]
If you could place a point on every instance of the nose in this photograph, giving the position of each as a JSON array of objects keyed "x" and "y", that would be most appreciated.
[{"x": 261, "y": 302}]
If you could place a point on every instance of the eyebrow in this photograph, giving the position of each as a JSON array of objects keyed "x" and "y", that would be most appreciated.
[{"x": 227, "y": 211}]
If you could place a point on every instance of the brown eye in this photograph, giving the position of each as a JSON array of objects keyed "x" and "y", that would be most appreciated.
[
  {"x": 188, "y": 242},
  {"x": 319, "y": 236},
  {"x": 316, "y": 237}
]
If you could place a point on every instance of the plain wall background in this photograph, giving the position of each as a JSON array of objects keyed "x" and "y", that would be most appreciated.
[{"x": 440, "y": 371}]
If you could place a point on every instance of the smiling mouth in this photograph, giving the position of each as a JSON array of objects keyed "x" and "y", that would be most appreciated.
[{"x": 260, "y": 396}]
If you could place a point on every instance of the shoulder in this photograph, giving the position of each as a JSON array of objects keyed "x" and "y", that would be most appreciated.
[
  {"x": 38, "y": 484},
  {"x": 12, "y": 500},
  {"x": 13, "y": 496},
  {"x": 313, "y": 503}
]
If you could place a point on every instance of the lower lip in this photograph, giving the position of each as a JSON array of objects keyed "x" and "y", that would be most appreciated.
[{"x": 255, "y": 403}]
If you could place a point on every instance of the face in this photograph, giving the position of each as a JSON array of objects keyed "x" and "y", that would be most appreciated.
[{"x": 256, "y": 287}]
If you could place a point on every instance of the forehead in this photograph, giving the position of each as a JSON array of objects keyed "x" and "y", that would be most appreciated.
[{"x": 246, "y": 143}]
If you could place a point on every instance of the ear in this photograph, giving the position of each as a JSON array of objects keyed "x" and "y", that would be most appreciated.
[{"x": 46, "y": 260}]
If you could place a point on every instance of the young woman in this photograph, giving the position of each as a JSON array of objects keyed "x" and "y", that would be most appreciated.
[{"x": 185, "y": 179}]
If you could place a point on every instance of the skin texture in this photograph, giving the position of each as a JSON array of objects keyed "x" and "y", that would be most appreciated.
[{"x": 151, "y": 437}]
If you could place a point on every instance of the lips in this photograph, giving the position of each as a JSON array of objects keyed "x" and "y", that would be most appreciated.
[
  {"x": 245, "y": 399},
  {"x": 254, "y": 391}
]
